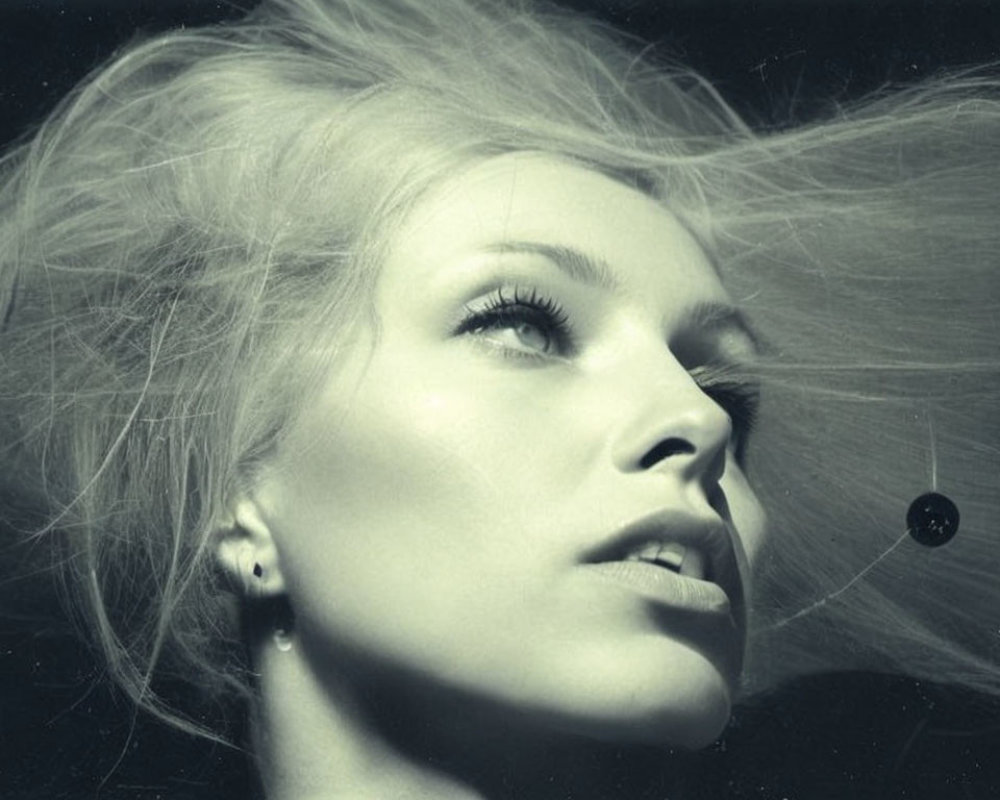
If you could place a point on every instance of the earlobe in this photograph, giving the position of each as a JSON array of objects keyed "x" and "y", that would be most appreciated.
[{"x": 246, "y": 552}]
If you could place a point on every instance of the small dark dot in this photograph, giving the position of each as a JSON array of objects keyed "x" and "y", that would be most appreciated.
[
  {"x": 932, "y": 519},
  {"x": 257, "y": 570}
]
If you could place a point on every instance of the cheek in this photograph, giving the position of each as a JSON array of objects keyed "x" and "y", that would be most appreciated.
[
  {"x": 450, "y": 428},
  {"x": 373, "y": 476},
  {"x": 417, "y": 481}
]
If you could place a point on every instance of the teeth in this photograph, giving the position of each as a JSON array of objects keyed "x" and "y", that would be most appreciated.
[
  {"x": 646, "y": 553},
  {"x": 670, "y": 553},
  {"x": 694, "y": 565}
]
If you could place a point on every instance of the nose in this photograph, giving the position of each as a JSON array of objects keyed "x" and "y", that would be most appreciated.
[{"x": 672, "y": 426}]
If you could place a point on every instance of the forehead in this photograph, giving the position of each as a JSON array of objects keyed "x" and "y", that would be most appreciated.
[{"x": 533, "y": 204}]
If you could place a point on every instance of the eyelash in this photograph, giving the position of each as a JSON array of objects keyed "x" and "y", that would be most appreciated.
[
  {"x": 738, "y": 397},
  {"x": 530, "y": 308}
]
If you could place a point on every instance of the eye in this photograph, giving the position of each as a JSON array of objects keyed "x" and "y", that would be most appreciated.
[
  {"x": 735, "y": 394},
  {"x": 528, "y": 336},
  {"x": 521, "y": 324}
]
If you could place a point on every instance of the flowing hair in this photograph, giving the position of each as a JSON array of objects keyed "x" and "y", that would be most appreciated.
[{"x": 191, "y": 238}]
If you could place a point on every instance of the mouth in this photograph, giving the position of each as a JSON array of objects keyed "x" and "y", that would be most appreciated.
[
  {"x": 675, "y": 559},
  {"x": 673, "y": 556}
]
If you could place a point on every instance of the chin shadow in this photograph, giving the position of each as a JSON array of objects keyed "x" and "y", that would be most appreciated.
[{"x": 520, "y": 753}]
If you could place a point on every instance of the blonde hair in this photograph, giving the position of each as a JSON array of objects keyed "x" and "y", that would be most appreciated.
[{"x": 207, "y": 210}]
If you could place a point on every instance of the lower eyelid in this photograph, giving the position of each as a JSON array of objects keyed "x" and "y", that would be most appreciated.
[{"x": 510, "y": 353}]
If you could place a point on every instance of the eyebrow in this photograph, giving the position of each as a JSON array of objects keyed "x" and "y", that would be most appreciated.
[
  {"x": 713, "y": 316},
  {"x": 578, "y": 265}
]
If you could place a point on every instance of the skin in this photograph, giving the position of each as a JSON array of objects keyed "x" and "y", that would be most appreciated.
[{"x": 429, "y": 516}]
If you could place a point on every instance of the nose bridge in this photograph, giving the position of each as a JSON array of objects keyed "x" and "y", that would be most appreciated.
[{"x": 669, "y": 422}]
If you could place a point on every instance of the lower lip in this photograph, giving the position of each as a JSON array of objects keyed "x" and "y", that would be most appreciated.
[{"x": 664, "y": 587}]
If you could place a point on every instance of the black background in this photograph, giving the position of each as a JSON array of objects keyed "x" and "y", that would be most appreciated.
[
  {"x": 837, "y": 737},
  {"x": 775, "y": 60}
]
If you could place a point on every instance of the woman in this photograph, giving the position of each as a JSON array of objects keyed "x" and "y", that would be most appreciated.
[{"x": 390, "y": 368}]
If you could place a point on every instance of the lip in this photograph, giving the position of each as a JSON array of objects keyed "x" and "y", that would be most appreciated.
[
  {"x": 718, "y": 591},
  {"x": 662, "y": 585}
]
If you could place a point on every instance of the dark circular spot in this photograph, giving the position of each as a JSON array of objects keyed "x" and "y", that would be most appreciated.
[{"x": 932, "y": 519}]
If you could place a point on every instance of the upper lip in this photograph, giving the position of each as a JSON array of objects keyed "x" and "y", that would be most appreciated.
[{"x": 707, "y": 534}]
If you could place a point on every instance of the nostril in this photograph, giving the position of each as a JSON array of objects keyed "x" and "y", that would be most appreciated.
[{"x": 665, "y": 448}]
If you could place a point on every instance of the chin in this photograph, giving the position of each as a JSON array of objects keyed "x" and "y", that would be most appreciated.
[
  {"x": 690, "y": 706},
  {"x": 693, "y": 722},
  {"x": 696, "y": 729},
  {"x": 690, "y": 713}
]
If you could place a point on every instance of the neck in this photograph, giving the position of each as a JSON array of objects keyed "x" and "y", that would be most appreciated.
[
  {"x": 318, "y": 740},
  {"x": 314, "y": 741}
]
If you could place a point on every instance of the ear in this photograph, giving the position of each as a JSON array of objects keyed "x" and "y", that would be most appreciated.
[{"x": 245, "y": 551}]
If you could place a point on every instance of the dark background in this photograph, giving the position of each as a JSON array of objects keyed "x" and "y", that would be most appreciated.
[
  {"x": 841, "y": 736},
  {"x": 775, "y": 60}
]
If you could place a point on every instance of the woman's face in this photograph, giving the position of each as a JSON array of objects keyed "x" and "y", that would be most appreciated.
[{"x": 474, "y": 500}]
